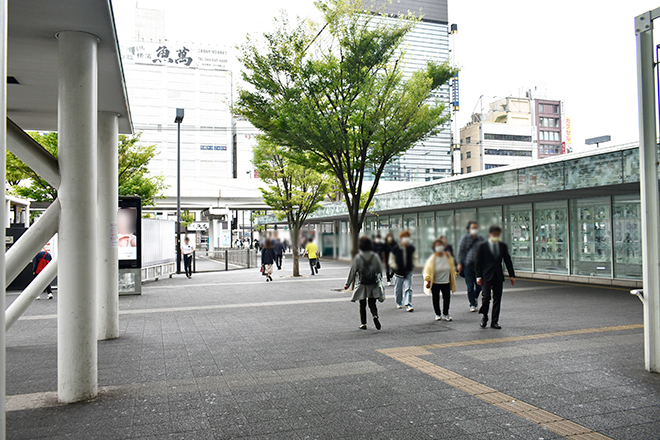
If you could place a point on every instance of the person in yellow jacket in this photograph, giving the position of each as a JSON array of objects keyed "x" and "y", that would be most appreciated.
[{"x": 440, "y": 276}]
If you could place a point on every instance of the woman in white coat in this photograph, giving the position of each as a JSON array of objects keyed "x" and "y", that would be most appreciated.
[{"x": 440, "y": 277}]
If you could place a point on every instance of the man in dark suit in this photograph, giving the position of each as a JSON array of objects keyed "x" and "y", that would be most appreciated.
[{"x": 490, "y": 275}]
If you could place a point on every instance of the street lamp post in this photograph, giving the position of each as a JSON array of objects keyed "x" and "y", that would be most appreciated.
[{"x": 178, "y": 120}]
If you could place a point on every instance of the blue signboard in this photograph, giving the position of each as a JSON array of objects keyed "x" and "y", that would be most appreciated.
[
  {"x": 213, "y": 147},
  {"x": 454, "y": 93}
]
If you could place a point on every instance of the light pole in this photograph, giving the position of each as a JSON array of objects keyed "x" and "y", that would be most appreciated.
[{"x": 178, "y": 120}]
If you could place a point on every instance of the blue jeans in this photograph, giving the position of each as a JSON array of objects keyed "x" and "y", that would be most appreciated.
[
  {"x": 471, "y": 282},
  {"x": 402, "y": 284}
]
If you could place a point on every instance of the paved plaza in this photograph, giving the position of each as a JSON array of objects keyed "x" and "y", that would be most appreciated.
[{"x": 227, "y": 355}]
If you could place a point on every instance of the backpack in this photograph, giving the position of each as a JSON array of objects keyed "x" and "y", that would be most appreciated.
[
  {"x": 368, "y": 274},
  {"x": 42, "y": 264}
]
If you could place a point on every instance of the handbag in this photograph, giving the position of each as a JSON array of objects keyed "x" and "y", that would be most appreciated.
[
  {"x": 381, "y": 286},
  {"x": 318, "y": 264},
  {"x": 263, "y": 269}
]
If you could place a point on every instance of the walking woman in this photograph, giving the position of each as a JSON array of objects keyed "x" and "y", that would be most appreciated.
[
  {"x": 390, "y": 244},
  {"x": 366, "y": 270},
  {"x": 440, "y": 277},
  {"x": 267, "y": 260}
]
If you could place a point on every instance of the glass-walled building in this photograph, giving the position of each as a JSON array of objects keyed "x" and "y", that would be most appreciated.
[{"x": 573, "y": 217}]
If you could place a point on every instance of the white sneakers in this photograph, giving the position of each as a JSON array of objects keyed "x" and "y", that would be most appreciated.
[
  {"x": 446, "y": 318},
  {"x": 473, "y": 308},
  {"x": 438, "y": 317},
  {"x": 409, "y": 308}
]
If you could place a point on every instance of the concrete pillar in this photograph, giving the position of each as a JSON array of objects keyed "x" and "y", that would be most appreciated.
[
  {"x": 77, "y": 370},
  {"x": 107, "y": 247}
]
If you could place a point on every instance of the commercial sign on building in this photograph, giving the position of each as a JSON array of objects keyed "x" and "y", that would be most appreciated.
[
  {"x": 568, "y": 136},
  {"x": 213, "y": 147},
  {"x": 454, "y": 93},
  {"x": 177, "y": 54}
]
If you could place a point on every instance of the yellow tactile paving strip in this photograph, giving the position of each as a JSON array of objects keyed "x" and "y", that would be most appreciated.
[{"x": 411, "y": 357}]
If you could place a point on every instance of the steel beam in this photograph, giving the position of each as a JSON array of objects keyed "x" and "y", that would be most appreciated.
[
  {"x": 32, "y": 154},
  {"x": 31, "y": 292}
]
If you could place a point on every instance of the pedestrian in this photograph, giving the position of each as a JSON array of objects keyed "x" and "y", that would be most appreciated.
[
  {"x": 379, "y": 248},
  {"x": 312, "y": 252},
  {"x": 448, "y": 248},
  {"x": 278, "y": 248},
  {"x": 440, "y": 277},
  {"x": 39, "y": 262},
  {"x": 403, "y": 259},
  {"x": 390, "y": 243},
  {"x": 267, "y": 260},
  {"x": 187, "y": 250},
  {"x": 257, "y": 245},
  {"x": 490, "y": 275},
  {"x": 366, "y": 271},
  {"x": 467, "y": 253}
]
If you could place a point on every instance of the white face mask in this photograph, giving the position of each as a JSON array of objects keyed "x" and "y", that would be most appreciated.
[
  {"x": 439, "y": 249},
  {"x": 405, "y": 240},
  {"x": 474, "y": 231},
  {"x": 378, "y": 240},
  {"x": 494, "y": 239}
]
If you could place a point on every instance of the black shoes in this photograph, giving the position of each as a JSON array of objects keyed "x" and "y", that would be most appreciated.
[
  {"x": 363, "y": 327},
  {"x": 495, "y": 326},
  {"x": 483, "y": 322},
  {"x": 377, "y": 322}
]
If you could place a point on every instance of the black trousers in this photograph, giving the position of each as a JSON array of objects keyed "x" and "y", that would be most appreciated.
[
  {"x": 493, "y": 287},
  {"x": 187, "y": 263},
  {"x": 312, "y": 265},
  {"x": 278, "y": 261},
  {"x": 49, "y": 290},
  {"x": 363, "y": 309},
  {"x": 436, "y": 289}
]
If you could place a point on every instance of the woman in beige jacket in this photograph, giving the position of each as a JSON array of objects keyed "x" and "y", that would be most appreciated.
[{"x": 440, "y": 276}]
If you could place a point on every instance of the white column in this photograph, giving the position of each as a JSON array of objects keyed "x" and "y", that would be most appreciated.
[
  {"x": 76, "y": 304},
  {"x": 108, "y": 265},
  {"x": 650, "y": 197},
  {"x": 3, "y": 142}
]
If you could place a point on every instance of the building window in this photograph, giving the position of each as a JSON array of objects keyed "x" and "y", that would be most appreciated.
[
  {"x": 468, "y": 155},
  {"x": 507, "y": 137},
  {"x": 468, "y": 140},
  {"x": 469, "y": 169},
  {"x": 490, "y": 166},
  {"x": 556, "y": 109},
  {"x": 498, "y": 152},
  {"x": 540, "y": 108},
  {"x": 461, "y": 156}
]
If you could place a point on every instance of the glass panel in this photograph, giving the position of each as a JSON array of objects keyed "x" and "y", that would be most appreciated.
[
  {"x": 488, "y": 217},
  {"x": 544, "y": 178},
  {"x": 591, "y": 230},
  {"x": 631, "y": 165},
  {"x": 444, "y": 225},
  {"x": 395, "y": 226},
  {"x": 500, "y": 184},
  {"x": 627, "y": 237},
  {"x": 461, "y": 219},
  {"x": 427, "y": 234},
  {"x": 589, "y": 172},
  {"x": 384, "y": 225},
  {"x": 467, "y": 189},
  {"x": 344, "y": 241},
  {"x": 551, "y": 237},
  {"x": 518, "y": 233},
  {"x": 368, "y": 227}
]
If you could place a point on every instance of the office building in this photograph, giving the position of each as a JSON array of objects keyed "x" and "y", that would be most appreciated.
[
  {"x": 431, "y": 159},
  {"x": 504, "y": 135}
]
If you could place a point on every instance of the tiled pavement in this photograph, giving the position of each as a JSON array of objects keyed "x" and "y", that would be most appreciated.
[{"x": 226, "y": 355}]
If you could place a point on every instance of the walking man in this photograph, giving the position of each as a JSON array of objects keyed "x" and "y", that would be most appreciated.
[
  {"x": 490, "y": 275},
  {"x": 278, "y": 248},
  {"x": 403, "y": 259},
  {"x": 467, "y": 252},
  {"x": 187, "y": 251},
  {"x": 39, "y": 263},
  {"x": 312, "y": 252}
]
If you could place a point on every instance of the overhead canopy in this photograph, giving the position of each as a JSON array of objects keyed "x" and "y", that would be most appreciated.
[{"x": 32, "y": 59}]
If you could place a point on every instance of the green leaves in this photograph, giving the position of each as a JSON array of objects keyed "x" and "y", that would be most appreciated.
[
  {"x": 335, "y": 96},
  {"x": 134, "y": 177}
]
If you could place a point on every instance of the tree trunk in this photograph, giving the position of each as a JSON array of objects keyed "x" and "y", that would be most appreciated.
[
  {"x": 355, "y": 235},
  {"x": 295, "y": 248}
]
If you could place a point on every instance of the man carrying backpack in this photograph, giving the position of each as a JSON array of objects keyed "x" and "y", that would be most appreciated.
[
  {"x": 366, "y": 271},
  {"x": 38, "y": 264}
]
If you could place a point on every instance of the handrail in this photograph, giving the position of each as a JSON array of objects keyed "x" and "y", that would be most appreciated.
[{"x": 33, "y": 290}]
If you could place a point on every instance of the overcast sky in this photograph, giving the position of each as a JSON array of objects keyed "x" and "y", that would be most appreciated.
[{"x": 581, "y": 51}]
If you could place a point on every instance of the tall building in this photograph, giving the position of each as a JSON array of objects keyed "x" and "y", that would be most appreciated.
[
  {"x": 431, "y": 159},
  {"x": 163, "y": 75},
  {"x": 548, "y": 120}
]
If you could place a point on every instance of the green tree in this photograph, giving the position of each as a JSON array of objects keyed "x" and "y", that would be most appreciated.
[
  {"x": 340, "y": 96},
  {"x": 294, "y": 191},
  {"x": 186, "y": 219},
  {"x": 134, "y": 177}
]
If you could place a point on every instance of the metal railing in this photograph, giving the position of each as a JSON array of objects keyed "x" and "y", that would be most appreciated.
[{"x": 226, "y": 259}]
